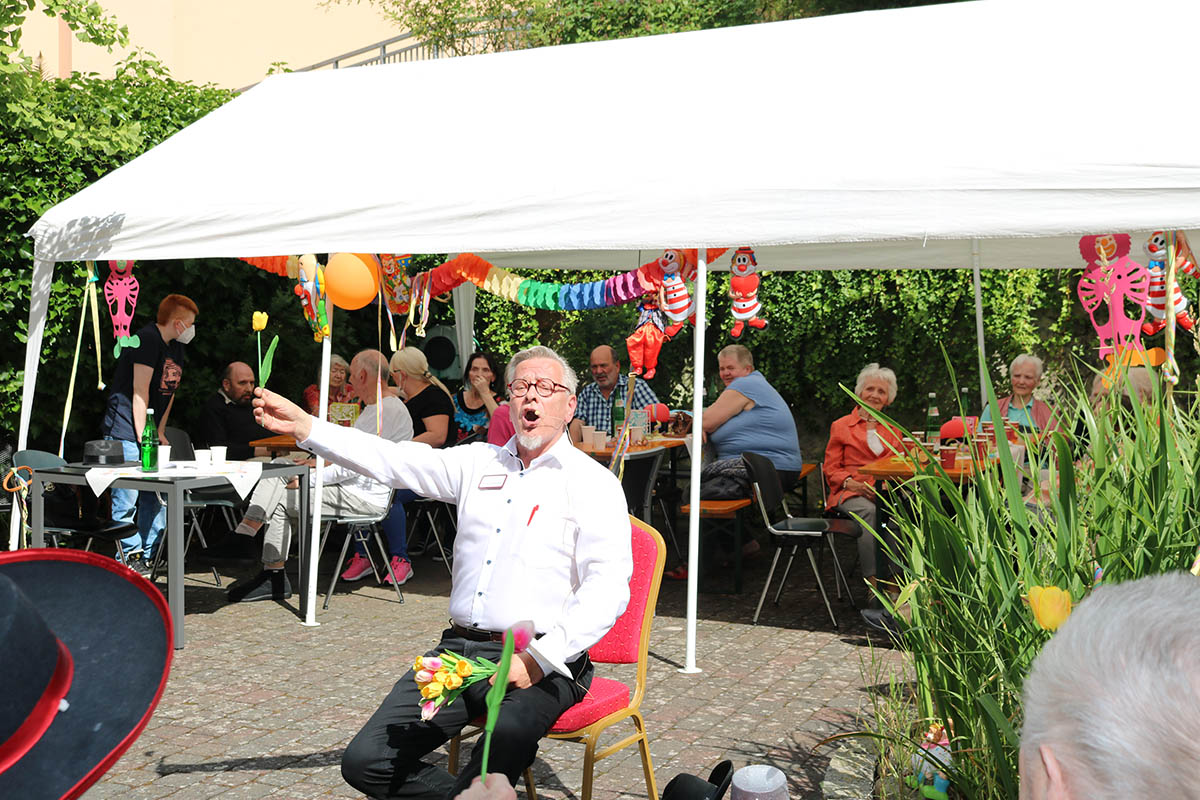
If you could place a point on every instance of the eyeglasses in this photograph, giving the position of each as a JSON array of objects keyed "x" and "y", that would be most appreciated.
[{"x": 545, "y": 387}]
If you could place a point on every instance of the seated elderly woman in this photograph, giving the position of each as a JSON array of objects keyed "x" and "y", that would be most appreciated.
[
  {"x": 751, "y": 417},
  {"x": 855, "y": 440},
  {"x": 1020, "y": 408}
]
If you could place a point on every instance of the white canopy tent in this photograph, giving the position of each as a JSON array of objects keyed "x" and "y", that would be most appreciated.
[{"x": 985, "y": 134}]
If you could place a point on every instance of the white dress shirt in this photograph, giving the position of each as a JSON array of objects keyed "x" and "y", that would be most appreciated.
[
  {"x": 394, "y": 423},
  {"x": 549, "y": 543}
]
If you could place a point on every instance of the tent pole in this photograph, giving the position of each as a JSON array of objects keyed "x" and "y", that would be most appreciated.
[
  {"x": 983, "y": 371},
  {"x": 694, "y": 488},
  {"x": 314, "y": 536},
  {"x": 39, "y": 302}
]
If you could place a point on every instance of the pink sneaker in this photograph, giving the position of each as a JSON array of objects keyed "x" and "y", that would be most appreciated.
[
  {"x": 358, "y": 569},
  {"x": 403, "y": 570}
]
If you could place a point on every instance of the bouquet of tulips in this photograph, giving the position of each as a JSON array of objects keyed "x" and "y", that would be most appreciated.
[{"x": 443, "y": 677}]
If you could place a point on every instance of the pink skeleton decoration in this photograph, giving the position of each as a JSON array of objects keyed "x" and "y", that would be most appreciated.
[
  {"x": 121, "y": 293},
  {"x": 1112, "y": 285}
]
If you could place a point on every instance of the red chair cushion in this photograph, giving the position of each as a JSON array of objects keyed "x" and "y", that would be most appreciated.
[{"x": 604, "y": 697}]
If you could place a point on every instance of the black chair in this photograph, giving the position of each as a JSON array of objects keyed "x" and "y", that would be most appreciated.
[
  {"x": 639, "y": 480},
  {"x": 70, "y": 513},
  {"x": 793, "y": 532}
]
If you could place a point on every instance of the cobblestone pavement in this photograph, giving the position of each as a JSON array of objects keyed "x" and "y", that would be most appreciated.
[{"x": 260, "y": 706}]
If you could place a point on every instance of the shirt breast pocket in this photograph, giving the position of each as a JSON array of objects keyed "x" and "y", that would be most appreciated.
[{"x": 551, "y": 544}]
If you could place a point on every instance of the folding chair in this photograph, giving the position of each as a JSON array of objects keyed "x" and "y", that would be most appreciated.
[
  {"x": 608, "y": 701},
  {"x": 360, "y": 528},
  {"x": 794, "y": 532},
  {"x": 91, "y": 527}
]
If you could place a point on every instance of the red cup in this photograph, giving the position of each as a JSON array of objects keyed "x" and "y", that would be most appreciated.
[{"x": 949, "y": 455}]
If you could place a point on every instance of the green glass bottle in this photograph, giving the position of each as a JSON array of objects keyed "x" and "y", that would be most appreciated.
[
  {"x": 618, "y": 410},
  {"x": 149, "y": 444}
]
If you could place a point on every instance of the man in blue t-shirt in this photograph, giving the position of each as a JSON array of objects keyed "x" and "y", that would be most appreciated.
[{"x": 146, "y": 377}]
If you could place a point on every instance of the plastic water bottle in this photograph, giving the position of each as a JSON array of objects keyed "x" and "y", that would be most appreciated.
[
  {"x": 149, "y": 444},
  {"x": 933, "y": 420}
]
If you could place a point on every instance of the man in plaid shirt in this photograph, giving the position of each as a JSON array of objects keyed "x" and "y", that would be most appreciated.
[{"x": 596, "y": 399}]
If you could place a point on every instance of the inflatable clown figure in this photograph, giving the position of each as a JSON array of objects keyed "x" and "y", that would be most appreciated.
[
  {"x": 674, "y": 298},
  {"x": 646, "y": 341},
  {"x": 1156, "y": 251},
  {"x": 743, "y": 290}
]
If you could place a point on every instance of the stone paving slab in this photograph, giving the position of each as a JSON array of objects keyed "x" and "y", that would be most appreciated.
[{"x": 258, "y": 705}]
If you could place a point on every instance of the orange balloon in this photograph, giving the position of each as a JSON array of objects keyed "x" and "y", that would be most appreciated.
[{"x": 351, "y": 279}]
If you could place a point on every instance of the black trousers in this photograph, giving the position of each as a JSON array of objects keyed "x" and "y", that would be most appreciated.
[{"x": 385, "y": 759}]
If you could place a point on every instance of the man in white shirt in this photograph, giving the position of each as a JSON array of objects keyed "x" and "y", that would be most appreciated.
[
  {"x": 343, "y": 491},
  {"x": 543, "y": 535}
]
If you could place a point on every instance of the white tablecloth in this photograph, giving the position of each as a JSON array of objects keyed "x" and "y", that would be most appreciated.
[{"x": 242, "y": 475}]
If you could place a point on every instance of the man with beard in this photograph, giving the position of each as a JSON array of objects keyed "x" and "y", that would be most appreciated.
[
  {"x": 229, "y": 414},
  {"x": 543, "y": 535}
]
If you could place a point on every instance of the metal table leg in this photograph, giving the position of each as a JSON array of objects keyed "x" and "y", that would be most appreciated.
[{"x": 175, "y": 558}]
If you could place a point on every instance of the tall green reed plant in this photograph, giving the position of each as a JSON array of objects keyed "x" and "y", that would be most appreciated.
[{"x": 1111, "y": 496}]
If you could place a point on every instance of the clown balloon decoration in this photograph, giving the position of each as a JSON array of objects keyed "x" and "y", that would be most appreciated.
[
  {"x": 1156, "y": 251},
  {"x": 743, "y": 290},
  {"x": 1113, "y": 284}
]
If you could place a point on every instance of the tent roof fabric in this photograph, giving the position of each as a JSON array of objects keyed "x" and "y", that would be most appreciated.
[{"x": 985, "y": 120}]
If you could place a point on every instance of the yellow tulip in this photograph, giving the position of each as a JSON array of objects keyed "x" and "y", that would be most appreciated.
[
  {"x": 453, "y": 681},
  {"x": 441, "y": 675},
  {"x": 418, "y": 665},
  {"x": 1050, "y": 605},
  {"x": 260, "y": 320},
  {"x": 431, "y": 690},
  {"x": 463, "y": 669}
]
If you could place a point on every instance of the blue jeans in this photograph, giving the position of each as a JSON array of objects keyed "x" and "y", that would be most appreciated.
[
  {"x": 151, "y": 515},
  {"x": 395, "y": 526}
]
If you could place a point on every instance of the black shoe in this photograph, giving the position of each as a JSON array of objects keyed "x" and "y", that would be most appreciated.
[
  {"x": 138, "y": 564},
  {"x": 235, "y": 548},
  {"x": 880, "y": 620},
  {"x": 270, "y": 584}
]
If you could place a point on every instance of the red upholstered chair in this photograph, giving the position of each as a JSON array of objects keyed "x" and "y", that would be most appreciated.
[{"x": 609, "y": 701}]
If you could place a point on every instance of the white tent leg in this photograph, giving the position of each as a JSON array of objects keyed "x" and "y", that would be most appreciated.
[
  {"x": 694, "y": 490},
  {"x": 314, "y": 536},
  {"x": 983, "y": 371},
  {"x": 39, "y": 302},
  {"x": 464, "y": 320}
]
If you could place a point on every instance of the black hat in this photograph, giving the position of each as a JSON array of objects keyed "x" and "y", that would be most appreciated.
[
  {"x": 86, "y": 648},
  {"x": 691, "y": 787},
  {"x": 104, "y": 453}
]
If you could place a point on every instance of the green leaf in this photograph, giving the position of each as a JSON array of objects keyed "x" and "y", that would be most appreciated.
[
  {"x": 264, "y": 371},
  {"x": 494, "y": 697}
]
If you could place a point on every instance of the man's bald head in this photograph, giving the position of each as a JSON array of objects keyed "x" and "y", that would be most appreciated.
[
  {"x": 605, "y": 367},
  {"x": 238, "y": 383}
]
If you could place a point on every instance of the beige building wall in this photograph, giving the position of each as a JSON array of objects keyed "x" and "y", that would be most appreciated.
[{"x": 231, "y": 43}]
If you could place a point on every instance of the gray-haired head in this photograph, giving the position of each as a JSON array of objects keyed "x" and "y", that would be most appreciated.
[
  {"x": 570, "y": 379},
  {"x": 872, "y": 372},
  {"x": 1114, "y": 696},
  {"x": 1027, "y": 359}
]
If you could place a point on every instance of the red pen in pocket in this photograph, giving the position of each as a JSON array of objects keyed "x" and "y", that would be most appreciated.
[{"x": 531, "y": 513}]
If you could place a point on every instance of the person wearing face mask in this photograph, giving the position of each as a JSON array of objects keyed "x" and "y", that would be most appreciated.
[{"x": 146, "y": 377}]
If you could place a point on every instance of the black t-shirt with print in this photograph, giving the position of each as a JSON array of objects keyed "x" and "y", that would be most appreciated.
[
  {"x": 167, "y": 362},
  {"x": 430, "y": 402}
]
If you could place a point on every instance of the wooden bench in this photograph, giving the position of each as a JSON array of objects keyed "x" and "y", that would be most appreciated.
[{"x": 730, "y": 511}]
